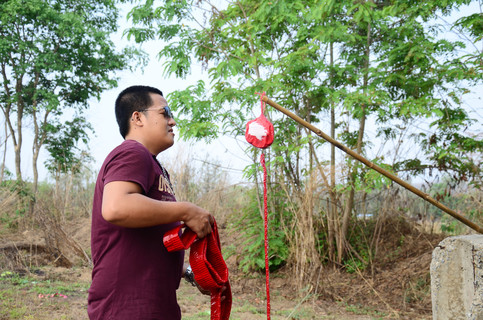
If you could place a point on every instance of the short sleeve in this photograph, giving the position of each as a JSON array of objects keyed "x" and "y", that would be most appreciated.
[{"x": 130, "y": 162}]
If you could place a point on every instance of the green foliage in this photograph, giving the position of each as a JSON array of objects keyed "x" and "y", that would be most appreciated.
[
  {"x": 384, "y": 62},
  {"x": 462, "y": 197},
  {"x": 472, "y": 27},
  {"x": 448, "y": 225},
  {"x": 61, "y": 143},
  {"x": 281, "y": 47},
  {"x": 203, "y": 123},
  {"x": 418, "y": 289},
  {"x": 452, "y": 151},
  {"x": 373, "y": 179},
  {"x": 54, "y": 56},
  {"x": 251, "y": 226},
  {"x": 359, "y": 239}
]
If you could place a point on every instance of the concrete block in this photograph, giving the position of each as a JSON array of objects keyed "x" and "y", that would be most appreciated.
[{"x": 457, "y": 278}]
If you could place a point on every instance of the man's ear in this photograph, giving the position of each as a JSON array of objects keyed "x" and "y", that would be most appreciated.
[{"x": 136, "y": 119}]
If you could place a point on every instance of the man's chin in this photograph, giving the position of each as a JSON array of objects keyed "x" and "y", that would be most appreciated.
[{"x": 167, "y": 145}]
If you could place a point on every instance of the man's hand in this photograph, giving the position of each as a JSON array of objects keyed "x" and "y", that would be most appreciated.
[{"x": 198, "y": 220}]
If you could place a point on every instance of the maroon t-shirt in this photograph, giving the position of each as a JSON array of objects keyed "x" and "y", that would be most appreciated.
[{"x": 134, "y": 276}]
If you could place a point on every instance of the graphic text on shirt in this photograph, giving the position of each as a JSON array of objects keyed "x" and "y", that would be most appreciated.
[{"x": 164, "y": 185}]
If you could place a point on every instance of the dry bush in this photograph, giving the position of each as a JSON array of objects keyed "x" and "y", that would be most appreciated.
[
  {"x": 25, "y": 256},
  {"x": 71, "y": 194},
  {"x": 56, "y": 239},
  {"x": 24, "y": 220},
  {"x": 473, "y": 203},
  {"x": 304, "y": 258},
  {"x": 206, "y": 185},
  {"x": 16, "y": 202},
  {"x": 24, "y": 252},
  {"x": 8, "y": 205}
]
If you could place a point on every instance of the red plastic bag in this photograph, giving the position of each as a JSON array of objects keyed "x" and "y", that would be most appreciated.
[{"x": 259, "y": 132}]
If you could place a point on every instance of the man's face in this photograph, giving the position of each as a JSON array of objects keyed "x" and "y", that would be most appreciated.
[{"x": 158, "y": 125}]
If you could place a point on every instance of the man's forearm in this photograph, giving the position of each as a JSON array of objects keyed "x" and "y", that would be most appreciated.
[
  {"x": 124, "y": 204},
  {"x": 136, "y": 211}
]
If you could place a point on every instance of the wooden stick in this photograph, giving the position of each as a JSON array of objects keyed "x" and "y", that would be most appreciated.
[{"x": 371, "y": 165}]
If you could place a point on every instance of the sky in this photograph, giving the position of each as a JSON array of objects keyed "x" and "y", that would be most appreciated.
[{"x": 226, "y": 151}]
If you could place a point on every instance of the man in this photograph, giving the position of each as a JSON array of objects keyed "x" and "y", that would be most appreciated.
[{"x": 134, "y": 277}]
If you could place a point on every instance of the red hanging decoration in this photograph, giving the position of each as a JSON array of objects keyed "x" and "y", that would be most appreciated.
[
  {"x": 265, "y": 220},
  {"x": 259, "y": 133}
]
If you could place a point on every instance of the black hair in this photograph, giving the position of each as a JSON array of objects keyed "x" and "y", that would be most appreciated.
[{"x": 134, "y": 98}]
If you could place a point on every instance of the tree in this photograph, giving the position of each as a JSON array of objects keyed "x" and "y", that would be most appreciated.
[
  {"x": 62, "y": 145},
  {"x": 382, "y": 62},
  {"x": 54, "y": 56},
  {"x": 66, "y": 157}
]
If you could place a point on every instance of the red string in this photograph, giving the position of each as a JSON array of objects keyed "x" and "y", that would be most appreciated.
[
  {"x": 265, "y": 218},
  {"x": 265, "y": 215},
  {"x": 262, "y": 94}
]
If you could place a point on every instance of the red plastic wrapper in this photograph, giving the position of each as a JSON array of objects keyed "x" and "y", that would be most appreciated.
[{"x": 259, "y": 132}]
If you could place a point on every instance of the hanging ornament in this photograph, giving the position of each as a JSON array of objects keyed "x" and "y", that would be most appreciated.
[{"x": 259, "y": 133}]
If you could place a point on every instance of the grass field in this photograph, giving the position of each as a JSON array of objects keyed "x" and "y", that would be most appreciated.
[{"x": 58, "y": 293}]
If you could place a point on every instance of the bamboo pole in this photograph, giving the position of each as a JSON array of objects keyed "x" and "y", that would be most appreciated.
[{"x": 373, "y": 166}]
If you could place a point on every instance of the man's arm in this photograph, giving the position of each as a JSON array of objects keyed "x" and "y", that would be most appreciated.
[{"x": 123, "y": 204}]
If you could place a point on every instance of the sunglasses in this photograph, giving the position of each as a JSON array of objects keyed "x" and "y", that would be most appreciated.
[{"x": 167, "y": 112}]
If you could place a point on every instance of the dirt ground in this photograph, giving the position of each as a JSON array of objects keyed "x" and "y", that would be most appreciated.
[{"x": 396, "y": 287}]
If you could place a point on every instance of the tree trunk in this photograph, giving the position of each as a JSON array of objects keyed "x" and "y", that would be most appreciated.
[
  {"x": 353, "y": 171},
  {"x": 332, "y": 209},
  {"x": 18, "y": 142},
  {"x": 18, "y": 151},
  {"x": 2, "y": 172},
  {"x": 38, "y": 138},
  {"x": 66, "y": 208},
  {"x": 35, "y": 158}
]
